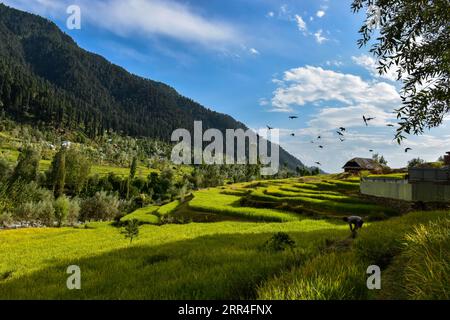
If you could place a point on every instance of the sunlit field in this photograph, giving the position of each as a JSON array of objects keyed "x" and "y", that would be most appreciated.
[{"x": 223, "y": 256}]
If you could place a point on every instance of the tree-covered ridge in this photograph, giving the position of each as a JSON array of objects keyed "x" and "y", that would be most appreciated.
[{"x": 46, "y": 79}]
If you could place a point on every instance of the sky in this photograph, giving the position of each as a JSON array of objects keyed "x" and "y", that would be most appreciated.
[{"x": 259, "y": 61}]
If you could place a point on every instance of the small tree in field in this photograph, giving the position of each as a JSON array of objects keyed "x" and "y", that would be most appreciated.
[
  {"x": 62, "y": 206},
  {"x": 131, "y": 230}
]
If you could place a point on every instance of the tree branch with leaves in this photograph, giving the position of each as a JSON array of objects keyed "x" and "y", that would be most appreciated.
[{"x": 413, "y": 38}]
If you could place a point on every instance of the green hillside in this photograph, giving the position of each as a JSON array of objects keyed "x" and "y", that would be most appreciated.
[{"x": 47, "y": 80}]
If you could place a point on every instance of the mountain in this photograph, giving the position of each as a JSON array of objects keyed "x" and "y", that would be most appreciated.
[{"x": 47, "y": 79}]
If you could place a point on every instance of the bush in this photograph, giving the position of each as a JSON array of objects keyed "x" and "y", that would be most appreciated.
[
  {"x": 74, "y": 211},
  {"x": 41, "y": 211},
  {"x": 5, "y": 219},
  {"x": 280, "y": 241},
  {"x": 427, "y": 270},
  {"x": 101, "y": 207},
  {"x": 62, "y": 205},
  {"x": 45, "y": 212}
]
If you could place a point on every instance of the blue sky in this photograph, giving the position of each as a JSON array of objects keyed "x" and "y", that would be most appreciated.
[{"x": 259, "y": 61}]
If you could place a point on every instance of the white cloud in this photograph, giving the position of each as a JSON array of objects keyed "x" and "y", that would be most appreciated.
[
  {"x": 313, "y": 85},
  {"x": 320, "y": 13},
  {"x": 143, "y": 17},
  {"x": 370, "y": 64},
  {"x": 270, "y": 14},
  {"x": 319, "y": 37},
  {"x": 301, "y": 24}
]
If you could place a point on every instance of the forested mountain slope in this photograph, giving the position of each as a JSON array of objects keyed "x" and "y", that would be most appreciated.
[{"x": 46, "y": 79}]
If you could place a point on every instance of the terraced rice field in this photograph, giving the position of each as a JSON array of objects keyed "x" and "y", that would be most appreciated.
[
  {"x": 287, "y": 200},
  {"x": 219, "y": 249}
]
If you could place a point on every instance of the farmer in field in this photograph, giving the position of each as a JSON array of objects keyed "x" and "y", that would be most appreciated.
[{"x": 355, "y": 223}]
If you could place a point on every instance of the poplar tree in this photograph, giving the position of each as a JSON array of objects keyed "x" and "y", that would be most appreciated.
[{"x": 58, "y": 173}]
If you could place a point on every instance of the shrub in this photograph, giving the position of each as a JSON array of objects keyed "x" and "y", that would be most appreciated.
[
  {"x": 427, "y": 270},
  {"x": 26, "y": 212},
  {"x": 5, "y": 219},
  {"x": 45, "y": 212},
  {"x": 102, "y": 207},
  {"x": 280, "y": 241},
  {"x": 62, "y": 205},
  {"x": 42, "y": 211},
  {"x": 131, "y": 229},
  {"x": 73, "y": 213}
]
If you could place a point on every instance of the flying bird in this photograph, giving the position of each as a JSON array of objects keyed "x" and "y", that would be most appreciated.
[
  {"x": 318, "y": 163},
  {"x": 390, "y": 125},
  {"x": 319, "y": 137},
  {"x": 408, "y": 149},
  {"x": 340, "y": 133},
  {"x": 370, "y": 150},
  {"x": 312, "y": 141},
  {"x": 293, "y": 117},
  {"x": 342, "y": 129},
  {"x": 342, "y": 139},
  {"x": 366, "y": 120},
  {"x": 321, "y": 147},
  {"x": 293, "y": 134},
  {"x": 270, "y": 128}
]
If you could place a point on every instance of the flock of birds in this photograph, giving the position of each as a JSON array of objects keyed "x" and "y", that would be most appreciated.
[{"x": 341, "y": 133}]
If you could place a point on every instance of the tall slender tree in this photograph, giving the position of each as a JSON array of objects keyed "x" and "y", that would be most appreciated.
[{"x": 58, "y": 172}]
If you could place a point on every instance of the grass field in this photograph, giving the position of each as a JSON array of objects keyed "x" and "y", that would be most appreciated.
[
  {"x": 144, "y": 215},
  {"x": 209, "y": 260},
  {"x": 227, "y": 259}
]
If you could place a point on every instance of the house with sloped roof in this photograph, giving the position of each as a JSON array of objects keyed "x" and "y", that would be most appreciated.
[{"x": 357, "y": 165}]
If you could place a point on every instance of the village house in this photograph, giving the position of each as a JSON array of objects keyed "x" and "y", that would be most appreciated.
[{"x": 356, "y": 165}]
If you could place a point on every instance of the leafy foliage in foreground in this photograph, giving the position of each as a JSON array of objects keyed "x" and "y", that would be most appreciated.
[{"x": 413, "y": 40}]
